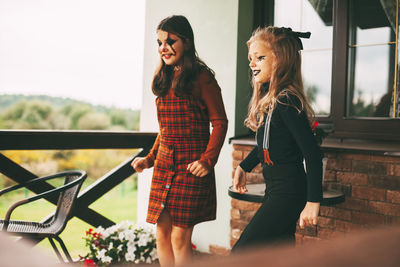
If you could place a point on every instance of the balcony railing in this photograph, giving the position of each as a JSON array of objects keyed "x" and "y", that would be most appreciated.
[{"x": 58, "y": 140}]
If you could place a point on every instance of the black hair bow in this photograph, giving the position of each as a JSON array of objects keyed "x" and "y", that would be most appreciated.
[{"x": 299, "y": 35}]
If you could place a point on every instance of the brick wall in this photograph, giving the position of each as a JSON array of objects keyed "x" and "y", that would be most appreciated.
[{"x": 371, "y": 185}]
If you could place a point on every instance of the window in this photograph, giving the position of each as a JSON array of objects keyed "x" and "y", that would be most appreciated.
[
  {"x": 350, "y": 63},
  {"x": 365, "y": 99},
  {"x": 372, "y": 60},
  {"x": 316, "y": 17}
]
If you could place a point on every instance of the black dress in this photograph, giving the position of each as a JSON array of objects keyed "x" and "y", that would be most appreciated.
[{"x": 288, "y": 185}]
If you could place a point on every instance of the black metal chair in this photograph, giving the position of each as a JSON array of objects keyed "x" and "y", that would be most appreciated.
[{"x": 49, "y": 228}]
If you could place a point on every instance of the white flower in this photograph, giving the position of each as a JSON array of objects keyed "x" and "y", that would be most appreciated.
[
  {"x": 101, "y": 254},
  {"x": 121, "y": 236},
  {"x": 127, "y": 233},
  {"x": 107, "y": 259},
  {"x": 129, "y": 256},
  {"x": 130, "y": 235},
  {"x": 132, "y": 249},
  {"x": 131, "y": 245},
  {"x": 106, "y": 233},
  {"x": 142, "y": 242}
]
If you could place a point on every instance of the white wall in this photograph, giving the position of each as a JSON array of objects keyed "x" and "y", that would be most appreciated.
[{"x": 215, "y": 29}]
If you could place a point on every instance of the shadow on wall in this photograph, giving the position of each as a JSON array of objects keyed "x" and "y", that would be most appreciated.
[{"x": 378, "y": 247}]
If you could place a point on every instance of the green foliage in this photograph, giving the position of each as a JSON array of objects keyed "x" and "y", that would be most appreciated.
[
  {"x": 311, "y": 92},
  {"x": 15, "y": 112},
  {"x": 59, "y": 121},
  {"x": 28, "y": 115},
  {"x": 360, "y": 108},
  {"x": 76, "y": 113},
  {"x": 133, "y": 120},
  {"x": 45, "y": 112},
  {"x": 43, "y": 109},
  {"x": 94, "y": 121},
  {"x": 118, "y": 117}
]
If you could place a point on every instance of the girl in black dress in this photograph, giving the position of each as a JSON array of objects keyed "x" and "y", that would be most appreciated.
[{"x": 281, "y": 116}]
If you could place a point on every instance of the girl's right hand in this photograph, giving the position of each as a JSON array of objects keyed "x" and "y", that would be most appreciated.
[
  {"x": 239, "y": 180},
  {"x": 140, "y": 163}
]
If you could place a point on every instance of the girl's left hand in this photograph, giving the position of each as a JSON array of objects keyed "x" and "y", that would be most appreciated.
[
  {"x": 309, "y": 215},
  {"x": 199, "y": 168}
]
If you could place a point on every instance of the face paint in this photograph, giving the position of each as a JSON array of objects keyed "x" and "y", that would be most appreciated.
[
  {"x": 170, "y": 42},
  {"x": 170, "y": 48},
  {"x": 262, "y": 61}
]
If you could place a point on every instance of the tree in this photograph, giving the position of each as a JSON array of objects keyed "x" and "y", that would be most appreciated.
[
  {"x": 94, "y": 121},
  {"x": 16, "y": 111},
  {"x": 118, "y": 117},
  {"x": 45, "y": 112},
  {"x": 360, "y": 108},
  {"x": 59, "y": 121},
  {"x": 28, "y": 115},
  {"x": 76, "y": 113},
  {"x": 311, "y": 92}
]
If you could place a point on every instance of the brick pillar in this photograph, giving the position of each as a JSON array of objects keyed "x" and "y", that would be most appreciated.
[{"x": 243, "y": 211}]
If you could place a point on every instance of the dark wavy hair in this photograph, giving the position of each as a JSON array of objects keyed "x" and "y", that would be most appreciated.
[{"x": 191, "y": 63}]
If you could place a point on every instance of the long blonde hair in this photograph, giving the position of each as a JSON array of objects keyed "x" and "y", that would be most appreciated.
[{"x": 286, "y": 78}]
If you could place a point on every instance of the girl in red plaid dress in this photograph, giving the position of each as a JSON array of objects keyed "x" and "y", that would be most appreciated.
[{"x": 183, "y": 186}]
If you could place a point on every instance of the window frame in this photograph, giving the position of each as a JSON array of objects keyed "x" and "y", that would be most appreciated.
[{"x": 342, "y": 126}]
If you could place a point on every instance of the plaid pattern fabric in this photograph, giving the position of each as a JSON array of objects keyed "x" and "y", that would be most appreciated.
[{"x": 185, "y": 131}]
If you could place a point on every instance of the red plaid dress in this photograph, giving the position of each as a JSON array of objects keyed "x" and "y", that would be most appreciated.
[{"x": 184, "y": 135}]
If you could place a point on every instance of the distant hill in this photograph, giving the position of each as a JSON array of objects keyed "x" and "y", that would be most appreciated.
[
  {"x": 19, "y": 111},
  {"x": 7, "y": 100}
]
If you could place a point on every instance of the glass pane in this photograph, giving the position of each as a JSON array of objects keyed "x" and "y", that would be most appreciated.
[
  {"x": 317, "y": 69},
  {"x": 314, "y": 16},
  {"x": 372, "y": 59},
  {"x": 371, "y": 82}
]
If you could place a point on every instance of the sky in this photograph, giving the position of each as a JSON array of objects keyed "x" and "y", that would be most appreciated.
[
  {"x": 317, "y": 53},
  {"x": 89, "y": 50}
]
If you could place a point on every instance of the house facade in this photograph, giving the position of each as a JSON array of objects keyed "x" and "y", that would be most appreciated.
[{"x": 350, "y": 70}]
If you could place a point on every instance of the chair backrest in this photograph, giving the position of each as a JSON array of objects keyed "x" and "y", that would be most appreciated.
[{"x": 66, "y": 201}]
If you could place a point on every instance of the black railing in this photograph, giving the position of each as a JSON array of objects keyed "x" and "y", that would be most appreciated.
[{"x": 58, "y": 140}]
